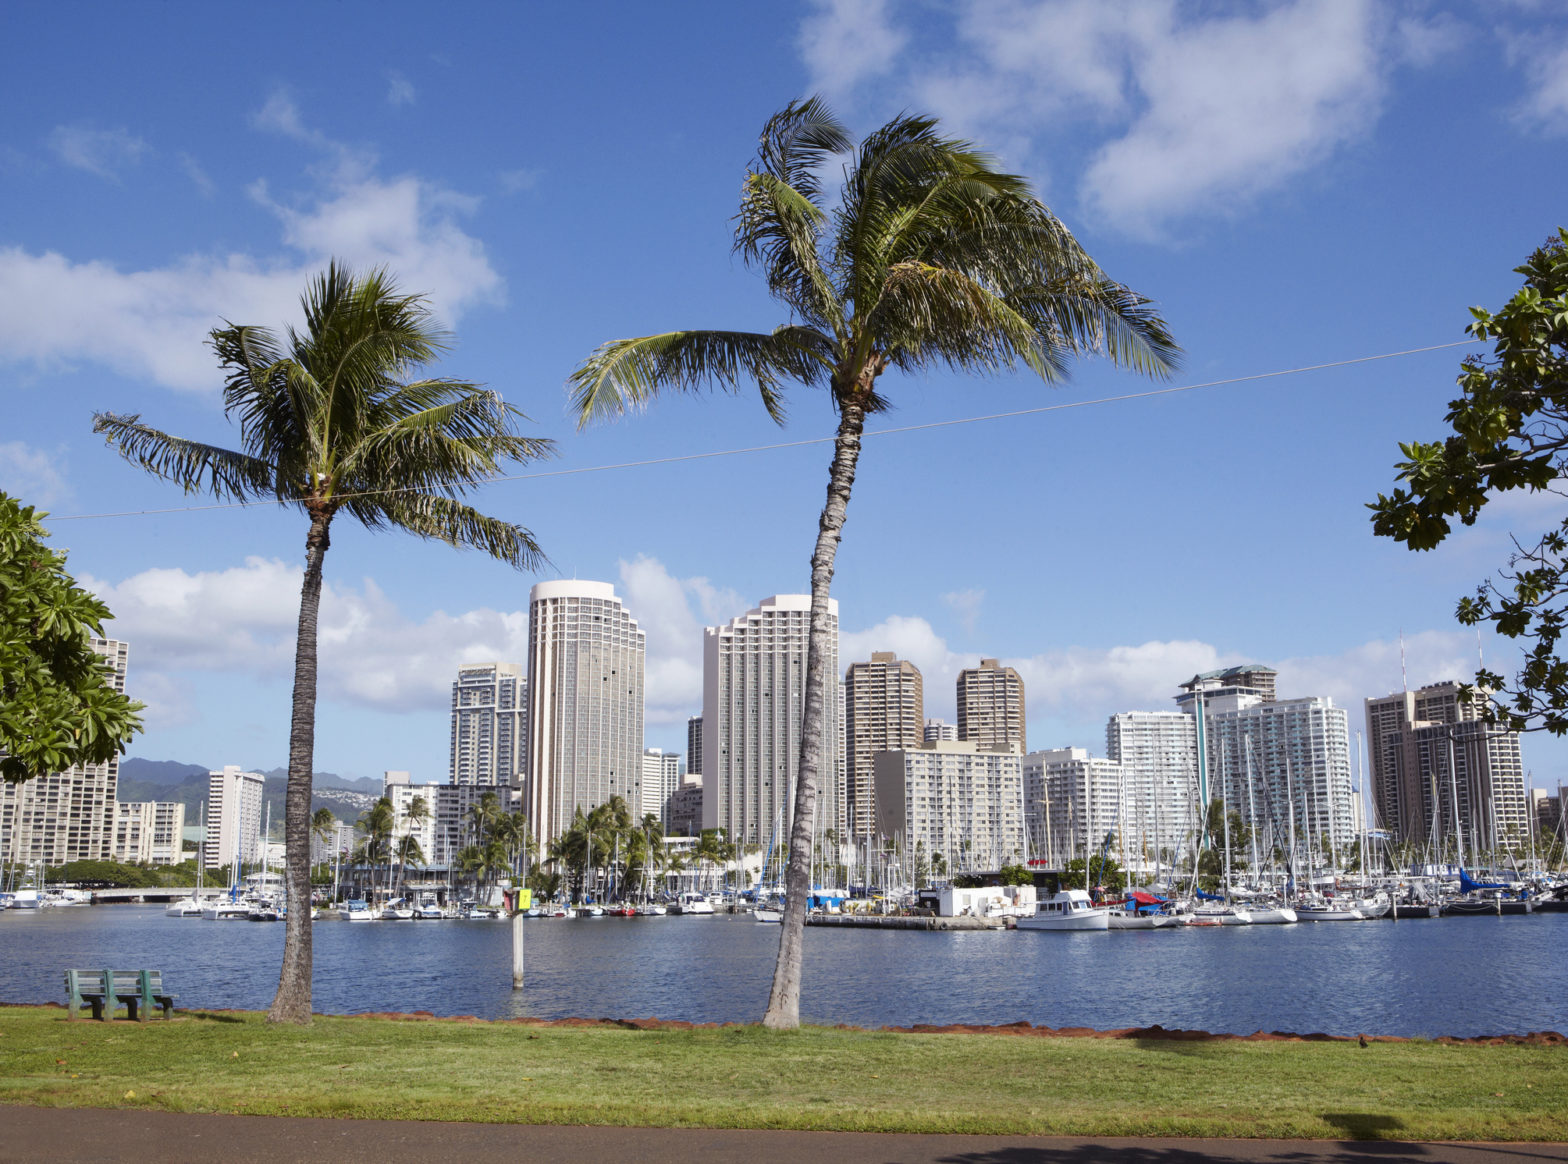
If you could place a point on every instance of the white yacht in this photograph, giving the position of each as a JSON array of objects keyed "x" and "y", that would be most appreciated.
[
  {"x": 1070, "y": 909},
  {"x": 226, "y": 911},
  {"x": 185, "y": 907},
  {"x": 690, "y": 902}
]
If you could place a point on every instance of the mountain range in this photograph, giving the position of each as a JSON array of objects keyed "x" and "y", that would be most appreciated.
[{"x": 171, "y": 780}]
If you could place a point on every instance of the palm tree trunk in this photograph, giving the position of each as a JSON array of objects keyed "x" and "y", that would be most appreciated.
[
  {"x": 783, "y": 1011},
  {"x": 292, "y": 1002}
]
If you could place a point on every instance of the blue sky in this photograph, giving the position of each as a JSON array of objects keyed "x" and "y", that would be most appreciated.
[{"x": 1296, "y": 184}]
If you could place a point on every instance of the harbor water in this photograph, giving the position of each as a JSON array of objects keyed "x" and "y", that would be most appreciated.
[{"x": 1447, "y": 976}]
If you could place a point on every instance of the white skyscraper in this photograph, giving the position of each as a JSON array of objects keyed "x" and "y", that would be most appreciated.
[
  {"x": 70, "y": 815},
  {"x": 1073, "y": 800},
  {"x": 1158, "y": 754},
  {"x": 234, "y": 799},
  {"x": 585, "y": 681},
  {"x": 1283, "y": 759},
  {"x": 661, "y": 779},
  {"x": 954, "y": 798},
  {"x": 753, "y": 703},
  {"x": 490, "y": 725}
]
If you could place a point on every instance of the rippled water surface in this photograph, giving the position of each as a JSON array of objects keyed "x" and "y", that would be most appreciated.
[{"x": 1448, "y": 976}]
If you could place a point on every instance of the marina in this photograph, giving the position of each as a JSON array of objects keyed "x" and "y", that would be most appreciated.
[{"x": 1479, "y": 976}]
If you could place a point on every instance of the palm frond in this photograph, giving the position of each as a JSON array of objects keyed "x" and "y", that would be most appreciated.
[
  {"x": 797, "y": 140},
  {"x": 446, "y": 447},
  {"x": 779, "y": 229},
  {"x": 624, "y": 375},
  {"x": 443, "y": 519},
  {"x": 195, "y": 467},
  {"x": 927, "y": 315}
]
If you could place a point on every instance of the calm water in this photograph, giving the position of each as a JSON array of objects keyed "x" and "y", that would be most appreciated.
[{"x": 1452, "y": 976}]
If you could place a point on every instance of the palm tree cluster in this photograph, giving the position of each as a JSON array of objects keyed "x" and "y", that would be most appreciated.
[
  {"x": 498, "y": 844},
  {"x": 382, "y": 847},
  {"x": 607, "y": 853}
]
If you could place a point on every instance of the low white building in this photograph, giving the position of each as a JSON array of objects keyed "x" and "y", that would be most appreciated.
[
  {"x": 955, "y": 799},
  {"x": 149, "y": 832}
]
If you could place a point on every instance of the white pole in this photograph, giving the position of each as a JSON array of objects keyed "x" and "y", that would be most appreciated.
[{"x": 517, "y": 950}]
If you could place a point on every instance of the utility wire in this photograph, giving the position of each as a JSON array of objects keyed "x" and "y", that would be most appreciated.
[{"x": 1257, "y": 376}]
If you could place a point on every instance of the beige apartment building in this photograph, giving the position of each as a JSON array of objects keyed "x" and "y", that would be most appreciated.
[
  {"x": 884, "y": 711},
  {"x": 991, "y": 706}
]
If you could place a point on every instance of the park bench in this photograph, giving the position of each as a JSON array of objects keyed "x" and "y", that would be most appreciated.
[{"x": 104, "y": 990}]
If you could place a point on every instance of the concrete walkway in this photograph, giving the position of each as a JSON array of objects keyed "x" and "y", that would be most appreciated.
[{"x": 57, "y": 1135}]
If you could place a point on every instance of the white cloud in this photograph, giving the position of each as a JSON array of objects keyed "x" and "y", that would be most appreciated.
[
  {"x": 1238, "y": 107},
  {"x": 243, "y": 618},
  {"x": 663, "y": 607},
  {"x": 1188, "y": 113},
  {"x": 371, "y": 653},
  {"x": 400, "y": 90},
  {"x": 152, "y": 324},
  {"x": 198, "y": 176},
  {"x": 518, "y": 181},
  {"x": 1544, "y": 59},
  {"x": 966, "y": 605},
  {"x": 845, "y": 42},
  {"x": 32, "y": 475},
  {"x": 104, "y": 152}
]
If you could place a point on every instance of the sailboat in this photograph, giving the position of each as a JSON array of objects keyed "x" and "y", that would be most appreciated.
[
  {"x": 233, "y": 909},
  {"x": 191, "y": 906}
]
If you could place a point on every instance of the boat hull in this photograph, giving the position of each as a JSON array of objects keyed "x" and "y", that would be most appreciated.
[{"x": 1077, "y": 921}]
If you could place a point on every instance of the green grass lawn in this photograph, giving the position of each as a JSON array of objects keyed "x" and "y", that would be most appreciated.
[{"x": 816, "y": 1078}]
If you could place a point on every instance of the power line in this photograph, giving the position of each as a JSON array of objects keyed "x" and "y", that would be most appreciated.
[{"x": 823, "y": 440}]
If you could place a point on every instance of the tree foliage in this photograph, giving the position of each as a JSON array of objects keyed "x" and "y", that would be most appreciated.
[
  {"x": 57, "y": 708},
  {"x": 1510, "y": 432}
]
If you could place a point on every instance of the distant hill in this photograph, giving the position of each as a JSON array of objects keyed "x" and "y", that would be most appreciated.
[{"x": 187, "y": 784}]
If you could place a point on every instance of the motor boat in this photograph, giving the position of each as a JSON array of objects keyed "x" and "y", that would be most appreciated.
[{"x": 1069, "y": 909}]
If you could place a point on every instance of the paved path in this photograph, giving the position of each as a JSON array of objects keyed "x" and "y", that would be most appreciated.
[{"x": 59, "y": 1135}]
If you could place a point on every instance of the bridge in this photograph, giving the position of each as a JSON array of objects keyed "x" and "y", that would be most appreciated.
[{"x": 162, "y": 893}]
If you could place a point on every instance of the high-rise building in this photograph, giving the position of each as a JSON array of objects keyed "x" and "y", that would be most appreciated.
[
  {"x": 586, "y": 658},
  {"x": 955, "y": 799},
  {"x": 694, "y": 746},
  {"x": 1158, "y": 754},
  {"x": 685, "y": 809},
  {"x": 149, "y": 832},
  {"x": 1439, "y": 769},
  {"x": 936, "y": 730},
  {"x": 1073, "y": 801},
  {"x": 884, "y": 707},
  {"x": 1252, "y": 679},
  {"x": 490, "y": 725},
  {"x": 1282, "y": 762},
  {"x": 753, "y": 707},
  {"x": 661, "y": 778},
  {"x": 234, "y": 799},
  {"x": 70, "y": 815},
  {"x": 991, "y": 705}
]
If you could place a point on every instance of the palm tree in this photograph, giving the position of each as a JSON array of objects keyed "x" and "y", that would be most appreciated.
[
  {"x": 321, "y": 822},
  {"x": 409, "y": 852},
  {"x": 930, "y": 258},
  {"x": 377, "y": 824},
  {"x": 334, "y": 419}
]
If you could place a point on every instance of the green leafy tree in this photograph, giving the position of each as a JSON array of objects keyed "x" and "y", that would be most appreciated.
[
  {"x": 930, "y": 258},
  {"x": 1509, "y": 432},
  {"x": 339, "y": 419},
  {"x": 57, "y": 708},
  {"x": 1015, "y": 875}
]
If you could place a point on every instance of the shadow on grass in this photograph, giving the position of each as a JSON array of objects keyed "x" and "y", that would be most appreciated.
[
  {"x": 1204, "y": 1152},
  {"x": 207, "y": 1016},
  {"x": 1359, "y": 1125}
]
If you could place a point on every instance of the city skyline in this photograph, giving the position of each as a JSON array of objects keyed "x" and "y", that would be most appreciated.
[{"x": 1386, "y": 167}]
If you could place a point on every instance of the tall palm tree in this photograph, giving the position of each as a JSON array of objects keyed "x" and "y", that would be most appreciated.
[
  {"x": 930, "y": 258},
  {"x": 321, "y": 822},
  {"x": 339, "y": 418}
]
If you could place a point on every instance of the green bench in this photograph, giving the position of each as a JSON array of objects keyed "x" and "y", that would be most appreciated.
[{"x": 104, "y": 990}]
